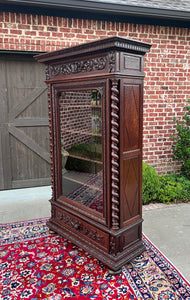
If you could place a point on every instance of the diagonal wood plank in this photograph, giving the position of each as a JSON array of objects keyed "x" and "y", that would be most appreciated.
[
  {"x": 26, "y": 101},
  {"x": 28, "y": 142}
]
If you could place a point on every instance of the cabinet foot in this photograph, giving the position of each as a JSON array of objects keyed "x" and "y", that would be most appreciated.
[{"x": 112, "y": 272}]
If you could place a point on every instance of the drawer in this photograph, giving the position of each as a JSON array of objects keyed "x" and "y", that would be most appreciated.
[{"x": 85, "y": 230}]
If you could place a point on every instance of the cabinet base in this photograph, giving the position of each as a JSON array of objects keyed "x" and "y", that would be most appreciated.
[{"x": 112, "y": 261}]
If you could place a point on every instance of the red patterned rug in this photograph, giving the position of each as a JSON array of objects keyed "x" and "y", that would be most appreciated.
[{"x": 37, "y": 264}]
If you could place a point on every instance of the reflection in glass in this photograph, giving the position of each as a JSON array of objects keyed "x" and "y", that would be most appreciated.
[{"x": 81, "y": 147}]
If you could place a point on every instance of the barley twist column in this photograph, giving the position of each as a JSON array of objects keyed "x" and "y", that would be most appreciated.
[{"x": 115, "y": 154}]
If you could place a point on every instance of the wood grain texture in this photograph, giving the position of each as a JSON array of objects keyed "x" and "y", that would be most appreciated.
[
  {"x": 5, "y": 158},
  {"x": 24, "y": 125},
  {"x": 114, "y": 237}
]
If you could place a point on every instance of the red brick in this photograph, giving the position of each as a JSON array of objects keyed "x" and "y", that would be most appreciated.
[
  {"x": 43, "y": 33},
  {"x": 6, "y": 16},
  {"x": 23, "y": 26},
  {"x": 166, "y": 81},
  {"x": 18, "y": 32},
  {"x": 44, "y": 20},
  {"x": 5, "y": 31},
  {"x": 40, "y": 20},
  {"x": 65, "y": 29},
  {"x": 54, "y": 21},
  {"x": 34, "y": 19},
  {"x": 52, "y": 28},
  {"x": 57, "y": 34},
  {"x": 69, "y": 35},
  {"x": 1, "y": 16},
  {"x": 13, "y": 17},
  {"x": 30, "y": 33},
  {"x": 18, "y": 17},
  {"x": 38, "y": 28},
  {"x": 29, "y": 19}
]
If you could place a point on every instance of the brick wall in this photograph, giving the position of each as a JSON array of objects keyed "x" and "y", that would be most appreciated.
[
  {"x": 167, "y": 66},
  {"x": 75, "y": 118}
]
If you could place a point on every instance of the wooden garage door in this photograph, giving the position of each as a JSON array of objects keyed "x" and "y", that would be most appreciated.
[{"x": 24, "y": 135}]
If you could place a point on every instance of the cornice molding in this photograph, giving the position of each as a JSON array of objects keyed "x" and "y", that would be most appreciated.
[{"x": 114, "y": 43}]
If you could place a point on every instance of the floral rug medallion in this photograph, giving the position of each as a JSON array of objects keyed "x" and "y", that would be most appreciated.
[{"x": 38, "y": 264}]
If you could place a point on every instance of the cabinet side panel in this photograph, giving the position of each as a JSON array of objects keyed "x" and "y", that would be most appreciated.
[
  {"x": 131, "y": 117},
  {"x": 130, "y": 151},
  {"x": 130, "y": 193}
]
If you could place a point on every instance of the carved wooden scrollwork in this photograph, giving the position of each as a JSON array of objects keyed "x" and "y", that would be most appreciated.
[
  {"x": 78, "y": 226},
  {"x": 115, "y": 154},
  {"x": 79, "y": 66},
  {"x": 112, "y": 245},
  {"x": 70, "y": 221},
  {"x": 47, "y": 73},
  {"x": 111, "y": 62},
  {"x": 94, "y": 235}
]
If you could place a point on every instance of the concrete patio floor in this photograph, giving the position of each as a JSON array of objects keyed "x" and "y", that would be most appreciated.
[{"x": 167, "y": 226}]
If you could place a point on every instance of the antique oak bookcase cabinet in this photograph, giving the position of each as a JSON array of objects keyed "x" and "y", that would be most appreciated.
[{"x": 96, "y": 110}]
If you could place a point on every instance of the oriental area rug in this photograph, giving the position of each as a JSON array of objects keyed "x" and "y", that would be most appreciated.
[{"x": 36, "y": 263}]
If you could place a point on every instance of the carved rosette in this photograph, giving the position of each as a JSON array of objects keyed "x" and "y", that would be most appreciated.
[{"x": 115, "y": 154}]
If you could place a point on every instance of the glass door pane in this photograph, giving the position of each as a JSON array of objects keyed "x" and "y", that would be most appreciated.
[{"x": 81, "y": 147}]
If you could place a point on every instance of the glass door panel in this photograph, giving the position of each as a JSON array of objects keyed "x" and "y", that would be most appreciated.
[{"x": 81, "y": 147}]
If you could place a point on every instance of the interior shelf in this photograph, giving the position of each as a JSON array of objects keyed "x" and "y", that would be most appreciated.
[
  {"x": 81, "y": 132},
  {"x": 79, "y": 105},
  {"x": 86, "y": 159}
]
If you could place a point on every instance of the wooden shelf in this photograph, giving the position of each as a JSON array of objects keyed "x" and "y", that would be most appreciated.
[
  {"x": 86, "y": 159},
  {"x": 81, "y": 132},
  {"x": 93, "y": 187},
  {"x": 79, "y": 105}
]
